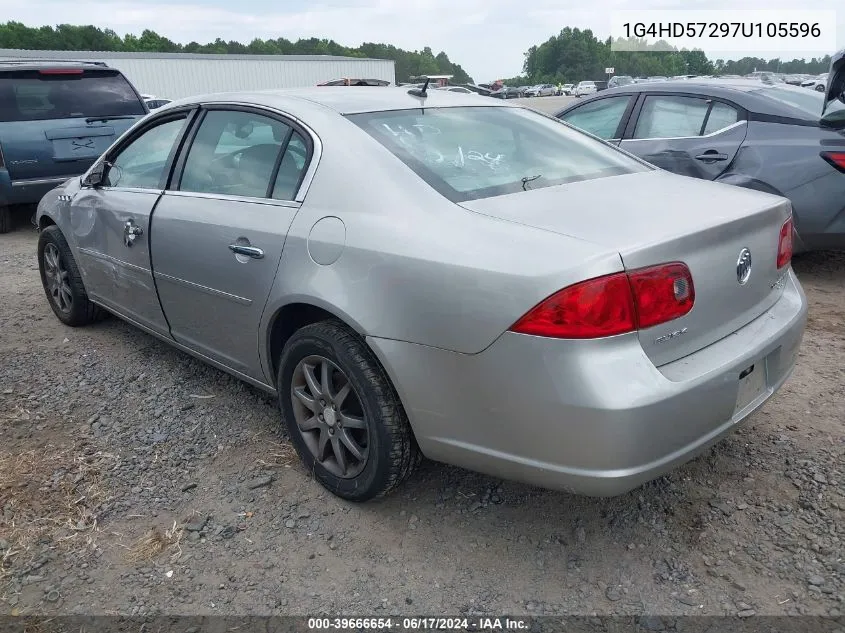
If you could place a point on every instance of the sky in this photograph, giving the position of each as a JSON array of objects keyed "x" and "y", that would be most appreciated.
[{"x": 487, "y": 37}]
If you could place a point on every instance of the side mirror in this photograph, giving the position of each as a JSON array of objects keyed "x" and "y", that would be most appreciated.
[
  {"x": 96, "y": 176},
  {"x": 835, "y": 81}
]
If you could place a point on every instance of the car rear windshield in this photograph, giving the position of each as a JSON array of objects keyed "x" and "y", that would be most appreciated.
[
  {"x": 809, "y": 102},
  {"x": 35, "y": 95},
  {"x": 472, "y": 152}
]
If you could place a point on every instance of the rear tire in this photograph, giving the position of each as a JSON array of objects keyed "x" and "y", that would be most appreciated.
[
  {"x": 367, "y": 425},
  {"x": 5, "y": 219},
  {"x": 62, "y": 281}
]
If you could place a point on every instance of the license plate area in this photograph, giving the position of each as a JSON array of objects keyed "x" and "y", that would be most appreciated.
[
  {"x": 68, "y": 149},
  {"x": 753, "y": 383}
]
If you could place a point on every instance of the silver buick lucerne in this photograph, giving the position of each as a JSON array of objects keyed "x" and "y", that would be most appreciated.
[{"x": 422, "y": 274}]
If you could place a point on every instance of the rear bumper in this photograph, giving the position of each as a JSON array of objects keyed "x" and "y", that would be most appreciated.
[
  {"x": 27, "y": 191},
  {"x": 590, "y": 417}
]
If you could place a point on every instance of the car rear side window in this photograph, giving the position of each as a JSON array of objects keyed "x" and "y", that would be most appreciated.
[
  {"x": 467, "y": 153},
  {"x": 66, "y": 93},
  {"x": 234, "y": 153},
  {"x": 721, "y": 116},
  {"x": 600, "y": 118},
  {"x": 291, "y": 168},
  {"x": 671, "y": 117}
]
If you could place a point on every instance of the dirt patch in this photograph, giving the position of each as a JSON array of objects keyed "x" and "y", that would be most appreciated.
[{"x": 140, "y": 481}]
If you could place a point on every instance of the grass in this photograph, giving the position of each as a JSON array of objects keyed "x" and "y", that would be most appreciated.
[{"x": 50, "y": 496}]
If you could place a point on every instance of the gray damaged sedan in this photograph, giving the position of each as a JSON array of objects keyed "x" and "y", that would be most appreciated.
[{"x": 430, "y": 275}]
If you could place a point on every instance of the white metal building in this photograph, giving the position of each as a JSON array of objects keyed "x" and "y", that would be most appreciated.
[{"x": 176, "y": 75}]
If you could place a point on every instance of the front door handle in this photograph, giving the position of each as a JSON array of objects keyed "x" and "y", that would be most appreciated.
[
  {"x": 131, "y": 233},
  {"x": 712, "y": 155},
  {"x": 249, "y": 251}
]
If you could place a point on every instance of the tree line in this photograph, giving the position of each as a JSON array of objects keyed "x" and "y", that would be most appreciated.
[
  {"x": 572, "y": 55},
  {"x": 67, "y": 37},
  {"x": 577, "y": 55}
]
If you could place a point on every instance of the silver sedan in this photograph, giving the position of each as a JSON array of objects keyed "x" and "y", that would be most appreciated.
[{"x": 425, "y": 274}]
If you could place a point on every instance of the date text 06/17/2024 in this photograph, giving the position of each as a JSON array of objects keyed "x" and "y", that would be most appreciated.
[{"x": 418, "y": 624}]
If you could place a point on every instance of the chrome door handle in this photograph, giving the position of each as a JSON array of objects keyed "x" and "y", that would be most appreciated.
[
  {"x": 249, "y": 251},
  {"x": 131, "y": 232}
]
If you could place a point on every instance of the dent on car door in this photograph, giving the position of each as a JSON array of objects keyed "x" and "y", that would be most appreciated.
[
  {"x": 110, "y": 220},
  {"x": 218, "y": 233},
  {"x": 604, "y": 118},
  {"x": 689, "y": 135}
]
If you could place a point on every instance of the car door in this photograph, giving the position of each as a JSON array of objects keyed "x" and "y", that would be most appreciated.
[
  {"x": 690, "y": 135},
  {"x": 219, "y": 229},
  {"x": 603, "y": 117},
  {"x": 110, "y": 219}
]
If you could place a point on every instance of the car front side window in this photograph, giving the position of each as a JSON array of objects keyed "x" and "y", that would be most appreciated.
[
  {"x": 141, "y": 164},
  {"x": 600, "y": 118},
  {"x": 234, "y": 153}
]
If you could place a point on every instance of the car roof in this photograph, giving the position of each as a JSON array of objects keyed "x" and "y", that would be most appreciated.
[
  {"x": 345, "y": 99},
  {"x": 746, "y": 93},
  {"x": 38, "y": 64}
]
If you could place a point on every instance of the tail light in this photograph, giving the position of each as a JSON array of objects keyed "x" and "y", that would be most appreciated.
[
  {"x": 613, "y": 304},
  {"x": 785, "y": 244},
  {"x": 837, "y": 159}
]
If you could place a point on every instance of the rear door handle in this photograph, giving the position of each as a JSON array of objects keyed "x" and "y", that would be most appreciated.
[
  {"x": 712, "y": 155},
  {"x": 249, "y": 251}
]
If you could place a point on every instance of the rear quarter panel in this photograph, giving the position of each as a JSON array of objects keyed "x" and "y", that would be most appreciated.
[
  {"x": 411, "y": 265},
  {"x": 784, "y": 160}
]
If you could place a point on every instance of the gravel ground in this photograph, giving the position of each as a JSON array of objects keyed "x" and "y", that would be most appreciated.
[{"x": 136, "y": 480}]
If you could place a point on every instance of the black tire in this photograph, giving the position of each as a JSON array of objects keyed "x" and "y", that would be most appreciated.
[
  {"x": 5, "y": 219},
  {"x": 392, "y": 450},
  {"x": 820, "y": 88},
  {"x": 81, "y": 311}
]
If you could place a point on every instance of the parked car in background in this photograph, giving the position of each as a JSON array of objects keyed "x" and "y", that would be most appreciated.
[
  {"x": 56, "y": 118},
  {"x": 769, "y": 137},
  {"x": 585, "y": 88},
  {"x": 620, "y": 80},
  {"x": 154, "y": 103},
  {"x": 355, "y": 82},
  {"x": 818, "y": 83},
  {"x": 600, "y": 85},
  {"x": 477, "y": 89},
  {"x": 566, "y": 89},
  {"x": 507, "y": 92},
  {"x": 588, "y": 351},
  {"x": 541, "y": 90},
  {"x": 460, "y": 89}
]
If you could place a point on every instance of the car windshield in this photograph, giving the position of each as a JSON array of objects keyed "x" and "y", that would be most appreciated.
[
  {"x": 809, "y": 102},
  {"x": 467, "y": 153},
  {"x": 40, "y": 95}
]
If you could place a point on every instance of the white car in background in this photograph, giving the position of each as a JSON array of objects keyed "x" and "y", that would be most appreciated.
[
  {"x": 585, "y": 88},
  {"x": 819, "y": 84},
  {"x": 153, "y": 103}
]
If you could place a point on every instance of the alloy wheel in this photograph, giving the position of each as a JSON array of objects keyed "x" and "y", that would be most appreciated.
[
  {"x": 57, "y": 279},
  {"x": 330, "y": 417}
]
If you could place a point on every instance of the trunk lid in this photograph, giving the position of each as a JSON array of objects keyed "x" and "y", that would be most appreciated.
[{"x": 655, "y": 217}]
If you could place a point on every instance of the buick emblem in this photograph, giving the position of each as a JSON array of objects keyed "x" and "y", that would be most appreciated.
[{"x": 743, "y": 266}]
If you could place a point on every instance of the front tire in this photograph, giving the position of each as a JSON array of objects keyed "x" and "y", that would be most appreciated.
[
  {"x": 342, "y": 414},
  {"x": 62, "y": 281}
]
